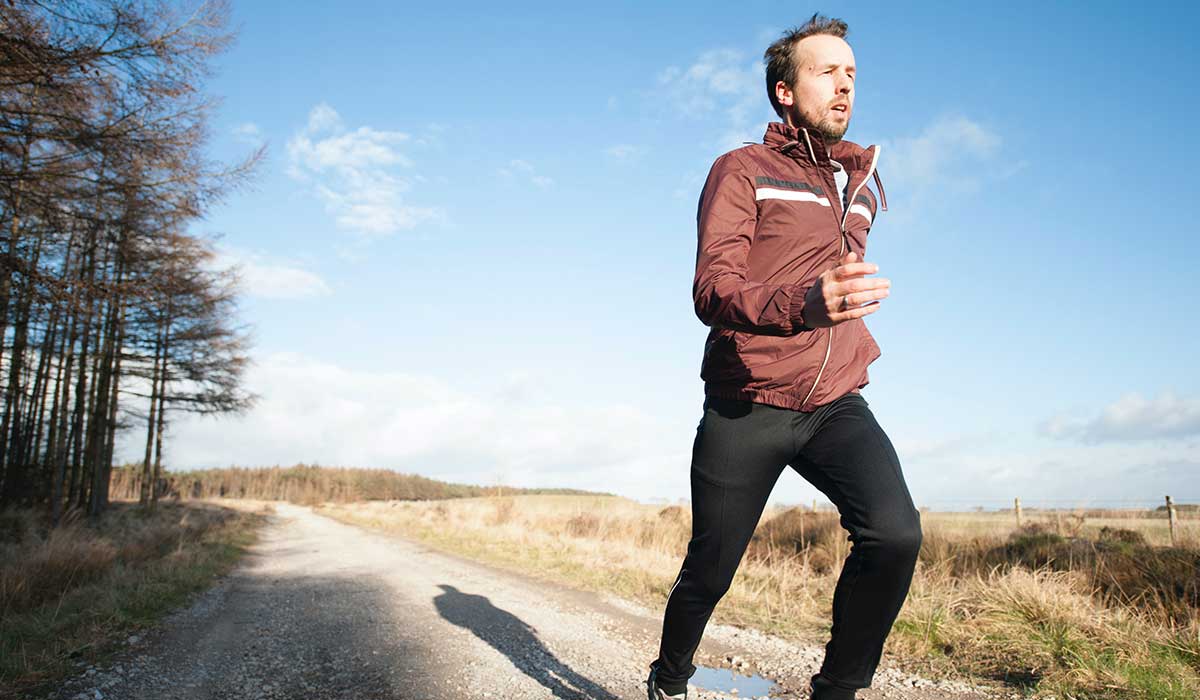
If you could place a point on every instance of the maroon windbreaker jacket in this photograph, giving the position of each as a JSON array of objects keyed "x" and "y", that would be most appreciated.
[{"x": 770, "y": 221}]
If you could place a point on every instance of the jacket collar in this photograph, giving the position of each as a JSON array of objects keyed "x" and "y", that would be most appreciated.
[{"x": 808, "y": 144}]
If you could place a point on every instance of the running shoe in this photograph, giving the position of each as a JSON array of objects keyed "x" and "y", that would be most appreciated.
[{"x": 653, "y": 692}]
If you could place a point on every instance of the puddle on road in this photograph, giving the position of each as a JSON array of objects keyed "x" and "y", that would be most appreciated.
[{"x": 723, "y": 680}]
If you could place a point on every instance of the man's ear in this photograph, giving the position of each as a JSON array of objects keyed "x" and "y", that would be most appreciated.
[{"x": 783, "y": 94}]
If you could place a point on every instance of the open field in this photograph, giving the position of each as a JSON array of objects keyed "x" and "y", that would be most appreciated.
[
  {"x": 1082, "y": 522},
  {"x": 1060, "y": 608}
]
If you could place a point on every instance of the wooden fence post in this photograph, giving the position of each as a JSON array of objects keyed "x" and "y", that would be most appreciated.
[
  {"x": 1017, "y": 503},
  {"x": 1171, "y": 519}
]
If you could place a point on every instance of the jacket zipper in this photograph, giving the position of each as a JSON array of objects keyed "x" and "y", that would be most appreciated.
[{"x": 841, "y": 250}]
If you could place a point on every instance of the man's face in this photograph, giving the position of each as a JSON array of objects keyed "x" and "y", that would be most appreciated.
[{"x": 822, "y": 97}]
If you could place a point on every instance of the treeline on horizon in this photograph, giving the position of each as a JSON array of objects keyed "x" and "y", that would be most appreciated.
[{"x": 305, "y": 484}]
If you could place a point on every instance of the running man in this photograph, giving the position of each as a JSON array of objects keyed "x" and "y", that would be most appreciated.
[{"x": 782, "y": 281}]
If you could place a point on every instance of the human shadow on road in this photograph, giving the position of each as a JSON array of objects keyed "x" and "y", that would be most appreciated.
[{"x": 509, "y": 635}]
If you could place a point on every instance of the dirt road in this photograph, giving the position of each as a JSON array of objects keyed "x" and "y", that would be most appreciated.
[{"x": 320, "y": 609}]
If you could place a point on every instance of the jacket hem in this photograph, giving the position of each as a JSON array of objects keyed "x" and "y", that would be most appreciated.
[{"x": 777, "y": 399}]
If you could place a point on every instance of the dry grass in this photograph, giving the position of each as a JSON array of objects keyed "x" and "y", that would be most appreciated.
[
  {"x": 1153, "y": 525},
  {"x": 1046, "y": 608},
  {"x": 67, "y": 593}
]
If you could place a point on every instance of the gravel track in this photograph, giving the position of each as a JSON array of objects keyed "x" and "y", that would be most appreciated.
[{"x": 320, "y": 610}]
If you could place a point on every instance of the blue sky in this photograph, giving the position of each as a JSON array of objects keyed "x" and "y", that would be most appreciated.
[{"x": 470, "y": 251}]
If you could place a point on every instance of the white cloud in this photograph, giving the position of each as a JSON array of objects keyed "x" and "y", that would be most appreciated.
[
  {"x": 516, "y": 431},
  {"x": 248, "y": 132},
  {"x": 952, "y": 155},
  {"x": 269, "y": 279},
  {"x": 356, "y": 173},
  {"x": 431, "y": 136},
  {"x": 992, "y": 469},
  {"x": 716, "y": 74},
  {"x": 524, "y": 170},
  {"x": 317, "y": 411},
  {"x": 1131, "y": 418},
  {"x": 721, "y": 81},
  {"x": 622, "y": 151}
]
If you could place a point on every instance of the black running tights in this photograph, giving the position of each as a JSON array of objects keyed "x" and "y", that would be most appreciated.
[{"x": 740, "y": 450}]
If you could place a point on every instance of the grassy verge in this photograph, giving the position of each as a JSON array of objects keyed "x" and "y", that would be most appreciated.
[
  {"x": 977, "y": 607},
  {"x": 71, "y": 594}
]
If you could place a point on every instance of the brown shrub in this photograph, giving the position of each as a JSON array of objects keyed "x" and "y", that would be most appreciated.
[
  {"x": 69, "y": 557},
  {"x": 147, "y": 545},
  {"x": 1165, "y": 579},
  {"x": 798, "y": 531},
  {"x": 675, "y": 514},
  {"x": 957, "y": 557},
  {"x": 1120, "y": 535},
  {"x": 46, "y": 564},
  {"x": 1034, "y": 546},
  {"x": 583, "y": 525},
  {"x": 503, "y": 510},
  {"x": 1119, "y": 565}
]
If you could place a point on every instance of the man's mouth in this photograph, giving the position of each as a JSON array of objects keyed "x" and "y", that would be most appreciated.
[{"x": 841, "y": 107}]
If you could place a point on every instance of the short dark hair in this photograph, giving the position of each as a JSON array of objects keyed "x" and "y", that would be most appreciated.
[{"x": 780, "y": 57}]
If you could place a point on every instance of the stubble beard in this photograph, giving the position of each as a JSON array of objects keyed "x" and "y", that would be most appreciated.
[{"x": 831, "y": 131}]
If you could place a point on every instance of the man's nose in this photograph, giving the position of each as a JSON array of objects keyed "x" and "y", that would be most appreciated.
[{"x": 844, "y": 85}]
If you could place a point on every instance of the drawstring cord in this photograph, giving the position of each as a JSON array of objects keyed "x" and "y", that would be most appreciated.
[
  {"x": 787, "y": 147},
  {"x": 812, "y": 154}
]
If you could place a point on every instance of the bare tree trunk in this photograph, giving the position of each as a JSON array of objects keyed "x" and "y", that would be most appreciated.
[
  {"x": 60, "y": 442},
  {"x": 111, "y": 439},
  {"x": 56, "y": 461},
  {"x": 81, "y": 387},
  {"x": 50, "y": 350},
  {"x": 147, "y": 474},
  {"x": 98, "y": 416},
  {"x": 15, "y": 483},
  {"x": 25, "y": 415},
  {"x": 162, "y": 394},
  {"x": 102, "y": 133},
  {"x": 10, "y": 260},
  {"x": 41, "y": 385},
  {"x": 102, "y": 417}
]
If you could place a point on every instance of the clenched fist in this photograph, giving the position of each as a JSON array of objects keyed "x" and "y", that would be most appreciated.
[{"x": 840, "y": 293}]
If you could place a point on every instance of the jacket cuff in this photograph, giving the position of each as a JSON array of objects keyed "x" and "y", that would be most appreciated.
[{"x": 796, "y": 310}]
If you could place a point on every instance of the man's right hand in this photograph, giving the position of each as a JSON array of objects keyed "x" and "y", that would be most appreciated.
[{"x": 840, "y": 293}]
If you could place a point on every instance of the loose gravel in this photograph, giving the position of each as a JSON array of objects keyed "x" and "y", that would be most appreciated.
[{"x": 323, "y": 610}]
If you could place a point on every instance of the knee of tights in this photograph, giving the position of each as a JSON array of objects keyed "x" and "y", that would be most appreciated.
[
  {"x": 904, "y": 541},
  {"x": 712, "y": 588}
]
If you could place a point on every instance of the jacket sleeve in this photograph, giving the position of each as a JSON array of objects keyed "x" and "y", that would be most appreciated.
[{"x": 724, "y": 298}]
